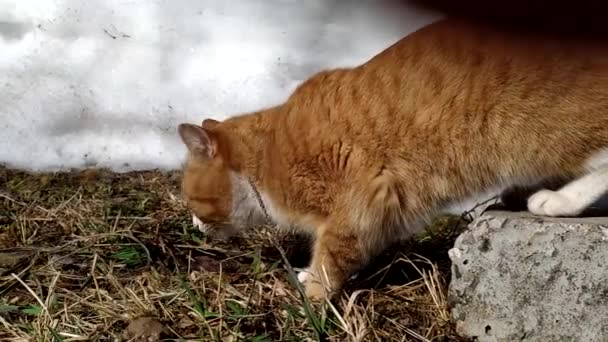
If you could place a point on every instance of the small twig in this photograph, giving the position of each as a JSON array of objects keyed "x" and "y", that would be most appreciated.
[
  {"x": 64, "y": 203},
  {"x": 114, "y": 36},
  {"x": 9, "y": 198},
  {"x": 29, "y": 289},
  {"x": 219, "y": 295},
  {"x": 8, "y": 328},
  {"x": 129, "y": 218},
  {"x": 109, "y": 34},
  {"x": 93, "y": 267},
  {"x": 5, "y": 287}
]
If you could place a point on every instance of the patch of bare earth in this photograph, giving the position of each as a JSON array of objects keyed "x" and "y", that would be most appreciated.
[{"x": 99, "y": 256}]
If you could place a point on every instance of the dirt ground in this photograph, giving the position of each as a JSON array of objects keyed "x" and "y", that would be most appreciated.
[{"x": 99, "y": 256}]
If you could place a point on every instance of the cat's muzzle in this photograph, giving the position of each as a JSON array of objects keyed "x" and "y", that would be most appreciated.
[{"x": 214, "y": 231}]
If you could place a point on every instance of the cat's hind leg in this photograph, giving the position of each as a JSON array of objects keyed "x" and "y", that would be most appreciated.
[{"x": 573, "y": 198}]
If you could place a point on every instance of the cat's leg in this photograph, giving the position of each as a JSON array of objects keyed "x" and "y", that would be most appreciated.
[
  {"x": 362, "y": 223},
  {"x": 573, "y": 198},
  {"x": 304, "y": 275},
  {"x": 515, "y": 198},
  {"x": 337, "y": 254}
]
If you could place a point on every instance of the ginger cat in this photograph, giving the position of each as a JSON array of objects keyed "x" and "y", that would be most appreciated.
[{"x": 361, "y": 157}]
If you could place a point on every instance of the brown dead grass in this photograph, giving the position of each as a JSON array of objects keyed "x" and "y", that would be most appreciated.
[{"x": 84, "y": 254}]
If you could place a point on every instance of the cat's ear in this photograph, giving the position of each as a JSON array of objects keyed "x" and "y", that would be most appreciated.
[
  {"x": 209, "y": 123},
  {"x": 198, "y": 141}
]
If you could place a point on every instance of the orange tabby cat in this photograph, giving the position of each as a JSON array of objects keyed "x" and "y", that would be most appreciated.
[{"x": 364, "y": 156}]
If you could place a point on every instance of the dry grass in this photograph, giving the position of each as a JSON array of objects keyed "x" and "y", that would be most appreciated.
[{"x": 84, "y": 254}]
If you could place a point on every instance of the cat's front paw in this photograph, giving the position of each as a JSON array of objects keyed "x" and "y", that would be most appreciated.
[
  {"x": 312, "y": 286},
  {"x": 304, "y": 275},
  {"x": 314, "y": 291},
  {"x": 552, "y": 203},
  {"x": 196, "y": 222}
]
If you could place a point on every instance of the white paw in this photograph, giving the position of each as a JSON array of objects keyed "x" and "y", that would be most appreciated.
[
  {"x": 553, "y": 203},
  {"x": 303, "y": 276},
  {"x": 199, "y": 224}
]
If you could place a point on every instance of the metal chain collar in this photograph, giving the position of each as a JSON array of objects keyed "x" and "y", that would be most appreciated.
[{"x": 259, "y": 198}]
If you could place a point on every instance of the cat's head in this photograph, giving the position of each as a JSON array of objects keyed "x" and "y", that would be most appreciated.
[{"x": 218, "y": 197}]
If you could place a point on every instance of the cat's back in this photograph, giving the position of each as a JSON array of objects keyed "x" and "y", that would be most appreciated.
[
  {"x": 453, "y": 76},
  {"x": 456, "y": 66},
  {"x": 477, "y": 43}
]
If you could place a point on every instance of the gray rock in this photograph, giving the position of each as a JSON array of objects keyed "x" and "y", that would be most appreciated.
[{"x": 518, "y": 277}]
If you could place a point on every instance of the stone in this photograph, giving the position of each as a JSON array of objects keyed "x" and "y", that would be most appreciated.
[
  {"x": 519, "y": 277},
  {"x": 144, "y": 329}
]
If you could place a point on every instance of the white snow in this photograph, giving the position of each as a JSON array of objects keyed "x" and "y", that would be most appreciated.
[{"x": 104, "y": 83}]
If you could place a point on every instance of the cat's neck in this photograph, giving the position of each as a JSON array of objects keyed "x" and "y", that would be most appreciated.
[{"x": 244, "y": 141}]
